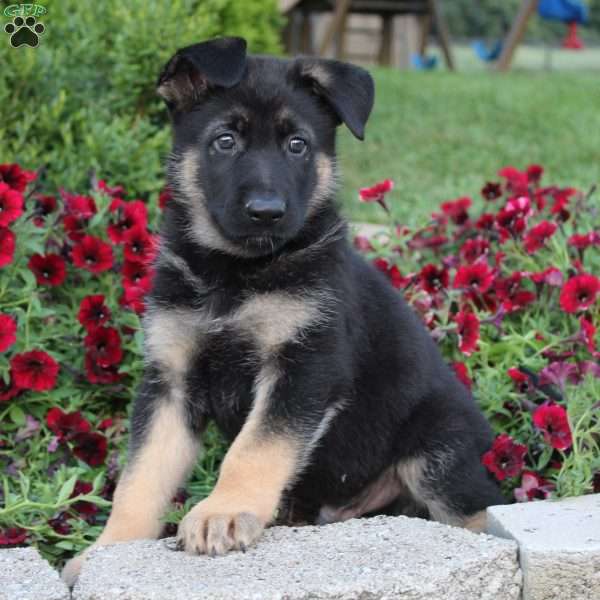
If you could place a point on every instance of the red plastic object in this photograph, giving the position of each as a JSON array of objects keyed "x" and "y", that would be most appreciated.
[{"x": 572, "y": 40}]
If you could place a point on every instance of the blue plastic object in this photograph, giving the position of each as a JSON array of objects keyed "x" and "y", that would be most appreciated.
[
  {"x": 487, "y": 53},
  {"x": 420, "y": 62},
  {"x": 567, "y": 11}
]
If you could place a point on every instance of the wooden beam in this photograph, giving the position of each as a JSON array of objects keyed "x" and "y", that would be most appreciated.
[
  {"x": 442, "y": 32},
  {"x": 516, "y": 33},
  {"x": 338, "y": 20}
]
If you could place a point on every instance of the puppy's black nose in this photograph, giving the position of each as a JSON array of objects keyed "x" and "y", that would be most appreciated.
[{"x": 265, "y": 208}]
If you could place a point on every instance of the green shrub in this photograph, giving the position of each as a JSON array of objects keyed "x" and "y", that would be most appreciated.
[{"x": 84, "y": 98}]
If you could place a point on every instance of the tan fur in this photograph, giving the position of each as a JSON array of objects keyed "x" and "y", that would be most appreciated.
[
  {"x": 254, "y": 473},
  {"x": 317, "y": 72},
  {"x": 326, "y": 182},
  {"x": 476, "y": 522}
]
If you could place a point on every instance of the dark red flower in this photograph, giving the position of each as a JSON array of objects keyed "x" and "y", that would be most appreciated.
[
  {"x": 139, "y": 245},
  {"x": 35, "y": 370},
  {"x": 8, "y": 332},
  {"x": 117, "y": 190},
  {"x": 561, "y": 202},
  {"x": 12, "y": 536},
  {"x": 471, "y": 250},
  {"x": 15, "y": 177},
  {"x": 552, "y": 420},
  {"x": 128, "y": 215},
  {"x": 579, "y": 293},
  {"x": 60, "y": 524},
  {"x": 164, "y": 197},
  {"x": 581, "y": 241},
  {"x": 505, "y": 458},
  {"x": 8, "y": 390},
  {"x": 392, "y": 272},
  {"x": 92, "y": 254},
  {"x": 521, "y": 380},
  {"x": 433, "y": 278},
  {"x": 74, "y": 228},
  {"x": 537, "y": 236},
  {"x": 85, "y": 508},
  {"x": 491, "y": 190},
  {"x": 93, "y": 312},
  {"x": 533, "y": 487},
  {"x": 534, "y": 173},
  {"x": 512, "y": 219},
  {"x": 511, "y": 294},
  {"x": 100, "y": 375},
  {"x": 517, "y": 182},
  {"x": 66, "y": 425},
  {"x": 91, "y": 448},
  {"x": 485, "y": 222},
  {"x": 44, "y": 206},
  {"x": 431, "y": 241},
  {"x": 477, "y": 277},
  {"x": 7, "y": 246},
  {"x": 457, "y": 210},
  {"x": 11, "y": 205},
  {"x": 81, "y": 208},
  {"x": 104, "y": 346},
  {"x": 106, "y": 424},
  {"x": 49, "y": 269},
  {"x": 468, "y": 332},
  {"x": 377, "y": 192},
  {"x": 462, "y": 373},
  {"x": 587, "y": 333},
  {"x": 137, "y": 274}
]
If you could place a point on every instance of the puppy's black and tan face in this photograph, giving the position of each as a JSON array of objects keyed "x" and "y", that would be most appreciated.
[{"x": 254, "y": 140}]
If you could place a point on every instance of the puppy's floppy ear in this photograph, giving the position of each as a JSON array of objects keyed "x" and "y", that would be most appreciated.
[
  {"x": 195, "y": 69},
  {"x": 348, "y": 89}
]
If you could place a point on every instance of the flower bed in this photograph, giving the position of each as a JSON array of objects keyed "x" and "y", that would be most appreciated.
[{"x": 508, "y": 291}]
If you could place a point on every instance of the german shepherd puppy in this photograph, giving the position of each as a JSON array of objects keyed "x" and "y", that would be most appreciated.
[{"x": 263, "y": 318}]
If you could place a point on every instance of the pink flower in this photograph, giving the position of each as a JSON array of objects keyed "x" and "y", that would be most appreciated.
[{"x": 533, "y": 487}]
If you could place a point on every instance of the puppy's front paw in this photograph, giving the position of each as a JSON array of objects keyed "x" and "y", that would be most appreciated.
[
  {"x": 208, "y": 530},
  {"x": 72, "y": 568}
]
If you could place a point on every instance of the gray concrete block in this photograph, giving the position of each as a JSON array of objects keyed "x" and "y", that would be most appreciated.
[
  {"x": 559, "y": 546},
  {"x": 372, "y": 559},
  {"x": 25, "y": 575}
]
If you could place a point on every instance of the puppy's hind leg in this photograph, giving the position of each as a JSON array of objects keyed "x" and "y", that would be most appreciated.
[{"x": 163, "y": 450}]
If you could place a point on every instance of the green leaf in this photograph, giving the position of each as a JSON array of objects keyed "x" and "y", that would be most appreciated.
[
  {"x": 66, "y": 490},
  {"x": 16, "y": 414}
]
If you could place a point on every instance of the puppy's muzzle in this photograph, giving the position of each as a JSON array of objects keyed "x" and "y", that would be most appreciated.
[{"x": 265, "y": 209}]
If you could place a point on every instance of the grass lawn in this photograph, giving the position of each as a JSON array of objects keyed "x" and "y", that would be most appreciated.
[{"x": 440, "y": 135}]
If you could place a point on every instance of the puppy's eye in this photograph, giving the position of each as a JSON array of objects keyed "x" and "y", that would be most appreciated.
[
  {"x": 225, "y": 143},
  {"x": 297, "y": 145}
]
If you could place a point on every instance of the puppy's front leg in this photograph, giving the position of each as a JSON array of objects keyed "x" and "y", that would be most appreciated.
[
  {"x": 163, "y": 449},
  {"x": 260, "y": 464}
]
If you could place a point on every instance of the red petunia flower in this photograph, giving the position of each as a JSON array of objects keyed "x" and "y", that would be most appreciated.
[
  {"x": 86, "y": 509},
  {"x": 433, "y": 278},
  {"x": 8, "y": 390},
  {"x": 517, "y": 182},
  {"x": 15, "y": 177},
  {"x": 533, "y": 487},
  {"x": 66, "y": 425},
  {"x": 92, "y": 254},
  {"x": 579, "y": 293},
  {"x": 137, "y": 274},
  {"x": 505, "y": 458},
  {"x": 8, "y": 332},
  {"x": 60, "y": 524},
  {"x": 44, "y": 206},
  {"x": 80, "y": 207},
  {"x": 550, "y": 276},
  {"x": 12, "y": 536},
  {"x": 562, "y": 198},
  {"x": 7, "y": 246},
  {"x": 377, "y": 192},
  {"x": 486, "y": 222},
  {"x": 537, "y": 236},
  {"x": 457, "y": 210},
  {"x": 521, "y": 380},
  {"x": 165, "y": 197},
  {"x": 393, "y": 273},
  {"x": 587, "y": 335},
  {"x": 35, "y": 370},
  {"x": 468, "y": 332},
  {"x": 534, "y": 173},
  {"x": 91, "y": 448},
  {"x": 462, "y": 373},
  {"x": 471, "y": 250},
  {"x": 511, "y": 294},
  {"x": 552, "y": 420},
  {"x": 128, "y": 215},
  {"x": 491, "y": 190},
  {"x": 581, "y": 241},
  {"x": 93, "y": 312},
  {"x": 100, "y": 375},
  {"x": 74, "y": 228},
  {"x": 477, "y": 277},
  {"x": 139, "y": 245},
  {"x": 49, "y": 269},
  {"x": 104, "y": 346},
  {"x": 11, "y": 205},
  {"x": 117, "y": 190}
]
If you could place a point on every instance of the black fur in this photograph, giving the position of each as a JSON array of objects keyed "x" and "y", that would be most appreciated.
[{"x": 369, "y": 356}]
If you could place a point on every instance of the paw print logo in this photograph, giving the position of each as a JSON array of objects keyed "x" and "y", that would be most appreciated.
[{"x": 24, "y": 31}]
